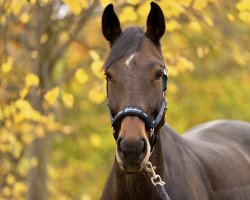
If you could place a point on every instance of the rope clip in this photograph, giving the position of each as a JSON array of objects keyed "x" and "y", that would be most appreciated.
[
  {"x": 155, "y": 179},
  {"x": 152, "y": 130}
]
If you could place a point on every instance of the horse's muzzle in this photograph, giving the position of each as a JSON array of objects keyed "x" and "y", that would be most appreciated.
[{"x": 131, "y": 154}]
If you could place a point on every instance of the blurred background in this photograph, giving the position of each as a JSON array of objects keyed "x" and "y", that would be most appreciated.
[{"x": 55, "y": 135}]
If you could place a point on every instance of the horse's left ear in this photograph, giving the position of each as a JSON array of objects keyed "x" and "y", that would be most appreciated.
[{"x": 155, "y": 23}]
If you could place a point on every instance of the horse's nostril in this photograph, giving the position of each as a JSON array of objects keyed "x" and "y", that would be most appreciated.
[
  {"x": 145, "y": 146},
  {"x": 119, "y": 143}
]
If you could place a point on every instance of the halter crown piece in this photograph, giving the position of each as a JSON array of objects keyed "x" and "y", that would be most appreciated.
[{"x": 137, "y": 111}]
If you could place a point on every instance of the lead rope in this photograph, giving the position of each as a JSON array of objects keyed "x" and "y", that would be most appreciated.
[{"x": 157, "y": 182}]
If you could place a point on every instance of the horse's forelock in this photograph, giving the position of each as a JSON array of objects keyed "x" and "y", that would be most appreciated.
[{"x": 126, "y": 44}]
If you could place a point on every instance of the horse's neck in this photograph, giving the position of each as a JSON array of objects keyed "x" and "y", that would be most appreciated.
[
  {"x": 181, "y": 170},
  {"x": 167, "y": 158}
]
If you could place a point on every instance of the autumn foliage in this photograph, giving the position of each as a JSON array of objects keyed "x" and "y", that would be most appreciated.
[{"x": 55, "y": 135}]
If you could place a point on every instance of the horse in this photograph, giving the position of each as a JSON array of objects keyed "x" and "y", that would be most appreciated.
[{"x": 209, "y": 162}]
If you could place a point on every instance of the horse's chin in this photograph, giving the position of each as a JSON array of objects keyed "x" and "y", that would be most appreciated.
[{"x": 132, "y": 168}]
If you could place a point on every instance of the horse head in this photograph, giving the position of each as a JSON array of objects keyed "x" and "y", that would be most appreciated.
[{"x": 136, "y": 84}]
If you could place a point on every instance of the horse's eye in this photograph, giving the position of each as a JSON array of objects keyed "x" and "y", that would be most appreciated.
[
  {"x": 158, "y": 75},
  {"x": 108, "y": 76}
]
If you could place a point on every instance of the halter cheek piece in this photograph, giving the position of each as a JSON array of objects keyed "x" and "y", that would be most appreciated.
[{"x": 136, "y": 111}]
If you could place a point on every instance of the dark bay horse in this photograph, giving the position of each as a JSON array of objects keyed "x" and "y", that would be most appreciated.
[{"x": 209, "y": 162}]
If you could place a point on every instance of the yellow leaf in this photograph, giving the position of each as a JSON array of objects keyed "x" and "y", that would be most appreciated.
[
  {"x": 23, "y": 93},
  {"x": 81, "y": 76},
  {"x": 22, "y": 104},
  {"x": 39, "y": 131},
  {"x": 134, "y": 2},
  {"x": 44, "y": 38},
  {"x": 96, "y": 67},
  {"x": 95, "y": 140},
  {"x": 173, "y": 8},
  {"x": 97, "y": 94},
  {"x": 6, "y": 191},
  {"x": 26, "y": 138},
  {"x": 245, "y": 16},
  {"x": 94, "y": 55},
  {"x": 18, "y": 118},
  {"x": 52, "y": 95},
  {"x": 6, "y": 67},
  {"x": 67, "y": 99},
  {"x": 128, "y": 15},
  {"x": 202, "y": 51},
  {"x": 18, "y": 149},
  {"x": 1, "y": 114},
  {"x": 172, "y": 25},
  {"x": 31, "y": 80},
  {"x": 8, "y": 123},
  {"x": 230, "y": 17},
  {"x": 64, "y": 36},
  {"x": 25, "y": 18},
  {"x": 76, "y": 5},
  {"x": 106, "y": 2},
  {"x": 3, "y": 20},
  {"x": 27, "y": 111},
  {"x": 172, "y": 88},
  {"x": 184, "y": 64},
  {"x": 243, "y": 5},
  {"x": 20, "y": 187},
  {"x": 84, "y": 3},
  {"x": 33, "y": 162},
  {"x": 4, "y": 148},
  {"x": 172, "y": 71},
  {"x": 142, "y": 9},
  {"x": 24, "y": 107},
  {"x": 10, "y": 179},
  {"x": 51, "y": 124},
  {"x": 196, "y": 26},
  {"x": 17, "y": 6},
  {"x": 86, "y": 197},
  {"x": 34, "y": 54},
  {"x": 185, "y": 2},
  {"x": 209, "y": 20},
  {"x": 200, "y": 4},
  {"x": 67, "y": 130}
]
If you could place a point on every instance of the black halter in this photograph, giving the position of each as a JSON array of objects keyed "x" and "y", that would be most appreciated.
[{"x": 137, "y": 111}]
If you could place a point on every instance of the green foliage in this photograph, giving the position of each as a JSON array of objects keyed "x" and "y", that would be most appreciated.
[{"x": 52, "y": 84}]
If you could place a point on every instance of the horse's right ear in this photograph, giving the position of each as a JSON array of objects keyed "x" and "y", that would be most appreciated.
[
  {"x": 155, "y": 23},
  {"x": 111, "y": 28}
]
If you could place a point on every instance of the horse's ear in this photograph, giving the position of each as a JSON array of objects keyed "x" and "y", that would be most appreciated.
[
  {"x": 111, "y": 28},
  {"x": 155, "y": 23}
]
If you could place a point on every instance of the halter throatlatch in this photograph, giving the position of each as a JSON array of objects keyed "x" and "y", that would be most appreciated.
[{"x": 137, "y": 111}]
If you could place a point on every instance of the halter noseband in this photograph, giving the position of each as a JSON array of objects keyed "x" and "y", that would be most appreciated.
[{"x": 137, "y": 111}]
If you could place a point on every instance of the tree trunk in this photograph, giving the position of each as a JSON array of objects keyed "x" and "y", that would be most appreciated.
[{"x": 38, "y": 175}]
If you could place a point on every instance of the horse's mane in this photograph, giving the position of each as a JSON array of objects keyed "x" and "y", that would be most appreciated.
[{"x": 126, "y": 44}]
